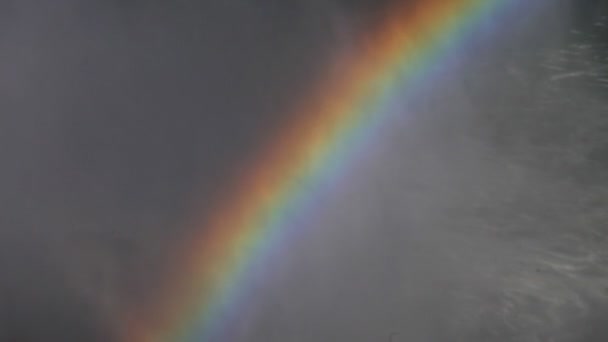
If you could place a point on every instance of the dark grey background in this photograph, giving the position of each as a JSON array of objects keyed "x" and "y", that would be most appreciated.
[{"x": 480, "y": 218}]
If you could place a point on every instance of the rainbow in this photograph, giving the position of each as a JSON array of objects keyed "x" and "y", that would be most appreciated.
[{"x": 407, "y": 51}]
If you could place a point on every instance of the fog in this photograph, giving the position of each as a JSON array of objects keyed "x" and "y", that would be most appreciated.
[{"x": 481, "y": 214}]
